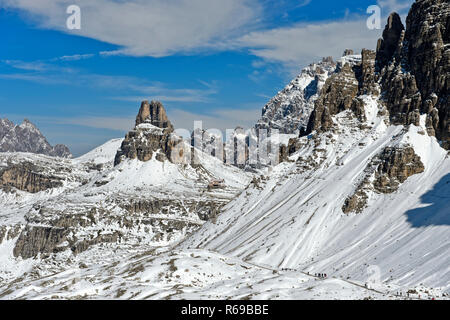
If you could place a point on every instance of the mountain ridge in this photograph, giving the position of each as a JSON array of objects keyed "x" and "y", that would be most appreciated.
[{"x": 26, "y": 137}]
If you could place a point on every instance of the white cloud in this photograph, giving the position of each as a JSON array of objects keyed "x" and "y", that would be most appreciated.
[
  {"x": 28, "y": 66},
  {"x": 302, "y": 44},
  {"x": 160, "y": 28},
  {"x": 149, "y": 27},
  {"x": 74, "y": 57}
]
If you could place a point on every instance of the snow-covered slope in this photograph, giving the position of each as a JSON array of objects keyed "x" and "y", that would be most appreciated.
[
  {"x": 101, "y": 155},
  {"x": 96, "y": 210},
  {"x": 293, "y": 218},
  {"x": 271, "y": 240}
]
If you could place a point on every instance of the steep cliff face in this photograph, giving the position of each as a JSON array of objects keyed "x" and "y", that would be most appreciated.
[
  {"x": 26, "y": 137},
  {"x": 414, "y": 66},
  {"x": 153, "y": 113},
  {"x": 27, "y": 177},
  {"x": 290, "y": 109},
  {"x": 337, "y": 94},
  {"x": 152, "y": 136}
]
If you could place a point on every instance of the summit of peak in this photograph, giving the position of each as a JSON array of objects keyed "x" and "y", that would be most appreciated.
[{"x": 154, "y": 113}]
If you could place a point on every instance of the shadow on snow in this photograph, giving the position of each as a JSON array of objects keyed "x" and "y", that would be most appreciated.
[{"x": 437, "y": 211}]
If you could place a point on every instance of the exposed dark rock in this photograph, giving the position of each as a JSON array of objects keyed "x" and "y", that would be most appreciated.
[
  {"x": 154, "y": 113},
  {"x": 84, "y": 245},
  {"x": 152, "y": 136},
  {"x": 290, "y": 109},
  {"x": 348, "y": 52},
  {"x": 27, "y": 177},
  {"x": 388, "y": 45},
  {"x": 397, "y": 165},
  {"x": 206, "y": 210},
  {"x": 367, "y": 83},
  {"x": 391, "y": 168},
  {"x": 337, "y": 95},
  {"x": 9, "y": 232},
  {"x": 34, "y": 240},
  {"x": 414, "y": 66},
  {"x": 357, "y": 202}
]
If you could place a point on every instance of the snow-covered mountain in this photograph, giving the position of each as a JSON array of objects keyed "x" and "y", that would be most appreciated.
[
  {"x": 59, "y": 214},
  {"x": 26, "y": 137},
  {"x": 362, "y": 195},
  {"x": 290, "y": 109}
]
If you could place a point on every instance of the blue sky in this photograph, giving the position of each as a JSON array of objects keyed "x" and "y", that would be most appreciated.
[{"x": 212, "y": 60}]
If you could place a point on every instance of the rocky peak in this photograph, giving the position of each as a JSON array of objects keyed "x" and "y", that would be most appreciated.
[
  {"x": 5, "y": 127},
  {"x": 153, "y": 113},
  {"x": 290, "y": 109},
  {"x": 337, "y": 94},
  {"x": 26, "y": 137},
  {"x": 348, "y": 52},
  {"x": 388, "y": 45},
  {"x": 417, "y": 81},
  {"x": 152, "y": 137}
]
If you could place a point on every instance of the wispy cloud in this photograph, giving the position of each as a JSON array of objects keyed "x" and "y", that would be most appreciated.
[
  {"x": 28, "y": 66},
  {"x": 74, "y": 57},
  {"x": 303, "y": 3},
  {"x": 136, "y": 89}
]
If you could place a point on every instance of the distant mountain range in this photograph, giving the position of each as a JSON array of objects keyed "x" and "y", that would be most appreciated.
[{"x": 26, "y": 137}]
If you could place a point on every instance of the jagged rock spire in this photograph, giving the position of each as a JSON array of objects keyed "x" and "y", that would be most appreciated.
[
  {"x": 388, "y": 45},
  {"x": 153, "y": 113},
  {"x": 156, "y": 139}
]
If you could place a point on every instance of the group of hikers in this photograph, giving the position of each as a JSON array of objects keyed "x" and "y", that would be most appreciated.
[{"x": 320, "y": 275}]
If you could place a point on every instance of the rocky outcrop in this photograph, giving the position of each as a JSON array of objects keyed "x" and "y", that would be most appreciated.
[
  {"x": 388, "y": 45},
  {"x": 367, "y": 81},
  {"x": 84, "y": 245},
  {"x": 336, "y": 96},
  {"x": 357, "y": 202},
  {"x": 204, "y": 209},
  {"x": 153, "y": 113},
  {"x": 384, "y": 174},
  {"x": 397, "y": 165},
  {"x": 414, "y": 66},
  {"x": 27, "y": 177},
  {"x": 290, "y": 109},
  {"x": 152, "y": 136},
  {"x": 34, "y": 240},
  {"x": 9, "y": 232},
  {"x": 26, "y": 137}
]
